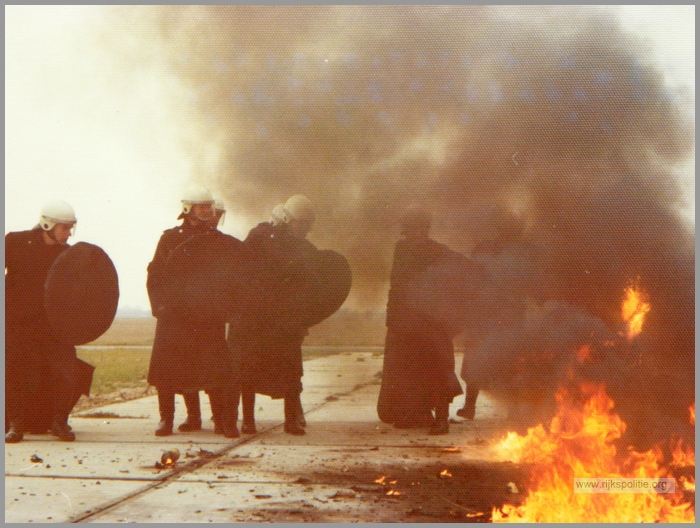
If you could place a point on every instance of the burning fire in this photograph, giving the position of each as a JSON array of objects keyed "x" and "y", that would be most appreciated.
[
  {"x": 692, "y": 414},
  {"x": 579, "y": 443},
  {"x": 634, "y": 308}
]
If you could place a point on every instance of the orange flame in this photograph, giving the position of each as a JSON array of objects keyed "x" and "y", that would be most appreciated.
[
  {"x": 579, "y": 443},
  {"x": 687, "y": 484},
  {"x": 692, "y": 414},
  {"x": 634, "y": 308},
  {"x": 445, "y": 474}
]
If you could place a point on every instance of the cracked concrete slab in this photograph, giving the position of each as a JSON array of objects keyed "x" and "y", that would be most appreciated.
[{"x": 331, "y": 474}]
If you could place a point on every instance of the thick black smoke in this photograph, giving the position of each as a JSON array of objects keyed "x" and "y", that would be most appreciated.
[{"x": 552, "y": 113}]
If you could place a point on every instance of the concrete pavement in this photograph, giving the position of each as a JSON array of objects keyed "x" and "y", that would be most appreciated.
[{"x": 332, "y": 474}]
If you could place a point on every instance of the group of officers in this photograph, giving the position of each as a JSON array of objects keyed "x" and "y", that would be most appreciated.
[{"x": 252, "y": 346}]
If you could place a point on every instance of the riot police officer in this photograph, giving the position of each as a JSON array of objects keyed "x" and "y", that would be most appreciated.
[
  {"x": 189, "y": 353},
  {"x": 40, "y": 375}
]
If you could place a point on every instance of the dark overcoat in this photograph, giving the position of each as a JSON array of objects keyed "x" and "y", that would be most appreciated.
[
  {"x": 418, "y": 370},
  {"x": 267, "y": 339},
  {"x": 189, "y": 354},
  {"x": 41, "y": 373}
]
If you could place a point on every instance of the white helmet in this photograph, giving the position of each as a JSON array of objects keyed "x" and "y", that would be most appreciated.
[
  {"x": 56, "y": 212},
  {"x": 300, "y": 208},
  {"x": 195, "y": 194},
  {"x": 277, "y": 215}
]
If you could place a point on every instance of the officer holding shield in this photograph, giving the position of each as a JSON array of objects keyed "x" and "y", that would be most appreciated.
[
  {"x": 40, "y": 370},
  {"x": 267, "y": 339},
  {"x": 418, "y": 374},
  {"x": 189, "y": 352}
]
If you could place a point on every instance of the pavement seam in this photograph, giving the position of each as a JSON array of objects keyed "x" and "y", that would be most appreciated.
[
  {"x": 176, "y": 472},
  {"x": 166, "y": 478}
]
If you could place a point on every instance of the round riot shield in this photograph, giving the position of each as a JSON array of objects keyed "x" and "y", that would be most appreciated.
[
  {"x": 330, "y": 280},
  {"x": 207, "y": 276},
  {"x": 81, "y": 294},
  {"x": 446, "y": 290}
]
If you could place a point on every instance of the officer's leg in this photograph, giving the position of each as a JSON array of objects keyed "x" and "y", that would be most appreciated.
[
  {"x": 216, "y": 412},
  {"x": 248, "y": 397},
  {"x": 227, "y": 408},
  {"x": 166, "y": 407},
  {"x": 194, "y": 413},
  {"x": 442, "y": 413},
  {"x": 299, "y": 410},
  {"x": 64, "y": 401},
  {"x": 469, "y": 409},
  {"x": 16, "y": 379},
  {"x": 291, "y": 414}
]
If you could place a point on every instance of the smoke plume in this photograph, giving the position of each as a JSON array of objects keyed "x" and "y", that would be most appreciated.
[{"x": 553, "y": 115}]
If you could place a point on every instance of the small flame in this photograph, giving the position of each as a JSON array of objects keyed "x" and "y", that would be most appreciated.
[
  {"x": 683, "y": 455},
  {"x": 381, "y": 480},
  {"x": 634, "y": 308},
  {"x": 445, "y": 474},
  {"x": 692, "y": 414},
  {"x": 687, "y": 485},
  {"x": 393, "y": 492},
  {"x": 477, "y": 514}
]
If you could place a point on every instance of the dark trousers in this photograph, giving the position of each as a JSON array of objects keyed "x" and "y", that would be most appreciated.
[
  {"x": 471, "y": 395},
  {"x": 166, "y": 404},
  {"x": 222, "y": 404},
  {"x": 293, "y": 412},
  {"x": 36, "y": 389}
]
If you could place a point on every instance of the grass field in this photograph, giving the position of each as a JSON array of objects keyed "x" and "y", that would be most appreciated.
[
  {"x": 122, "y": 359},
  {"x": 117, "y": 368},
  {"x": 344, "y": 328}
]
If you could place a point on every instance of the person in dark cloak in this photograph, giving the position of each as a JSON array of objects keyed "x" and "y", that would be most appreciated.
[
  {"x": 267, "y": 339},
  {"x": 261, "y": 235},
  {"x": 41, "y": 375},
  {"x": 418, "y": 375},
  {"x": 501, "y": 304},
  {"x": 192, "y": 403},
  {"x": 189, "y": 353}
]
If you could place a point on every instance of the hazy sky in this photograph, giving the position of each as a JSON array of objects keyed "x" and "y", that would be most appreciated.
[{"x": 85, "y": 126}]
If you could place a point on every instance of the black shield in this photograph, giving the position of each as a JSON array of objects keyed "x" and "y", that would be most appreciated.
[
  {"x": 208, "y": 276},
  {"x": 446, "y": 291},
  {"x": 81, "y": 294},
  {"x": 330, "y": 281}
]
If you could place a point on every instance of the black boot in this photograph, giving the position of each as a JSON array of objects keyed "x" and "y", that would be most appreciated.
[
  {"x": 165, "y": 428},
  {"x": 469, "y": 410},
  {"x": 227, "y": 419},
  {"x": 166, "y": 407},
  {"x": 15, "y": 434},
  {"x": 192, "y": 423},
  {"x": 60, "y": 429},
  {"x": 248, "y": 427},
  {"x": 231, "y": 429},
  {"x": 194, "y": 414},
  {"x": 441, "y": 425},
  {"x": 291, "y": 418},
  {"x": 299, "y": 411},
  {"x": 216, "y": 412}
]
